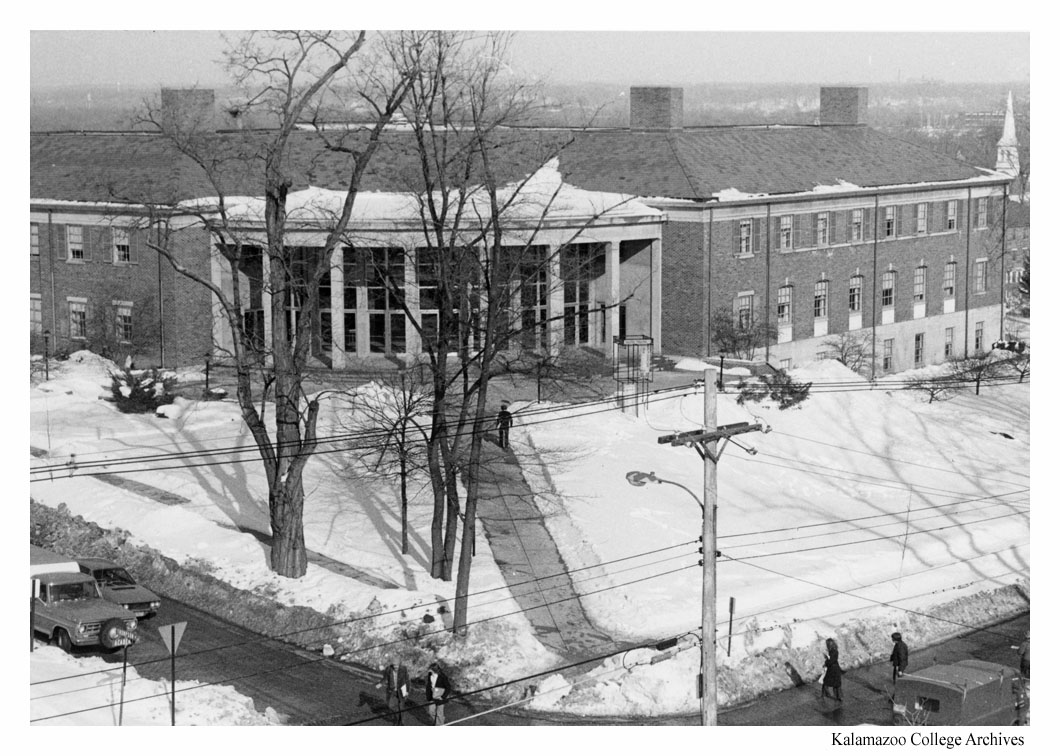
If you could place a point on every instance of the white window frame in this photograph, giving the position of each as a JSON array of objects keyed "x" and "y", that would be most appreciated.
[
  {"x": 820, "y": 300},
  {"x": 80, "y": 305},
  {"x": 785, "y": 364},
  {"x": 979, "y": 278},
  {"x": 888, "y": 355},
  {"x": 784, "y": 297},
  {"x": 745, "y": 303},
  {"x": 887, "y": 292},
  {"x": 979, "y": 331},
  {"x": 921, "y": 218},
  {"x": 981, "y": 212},
  {"x": 120, "y": 309},
  {"x": 75, "y": 243},
  {"x": 857, "y": 286},
  {"x": 36, "y": 314},
  {"x": 890, "y": 222},
  {"x": 120, "y": 239},
  {"x": 787, "y": 230},
  {"x": 747, "y": 232},
  {"x": 918, "y": 350},
  {"x": 34, "y": 239},
  {"x": 947, "y": 347},
  {"x": 919, "y": 283},
  {"x": 821, "y": 229},
  {"x": 857, "y": 225},
  {"x": 949, "y": 280},
  {"x": 951, "y": 215}
]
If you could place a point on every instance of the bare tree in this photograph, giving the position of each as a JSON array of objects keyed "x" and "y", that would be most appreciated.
[
  {"x": 978, "y": 367},
  {"x": 288, "y": 77},
  {"x": 935, "y": 387},
  {"x": 852, "y": 349},
  {"x": 740, "y": 334}
]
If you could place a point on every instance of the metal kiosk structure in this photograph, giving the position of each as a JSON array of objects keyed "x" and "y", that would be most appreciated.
[{"x": 632, "y": 368}]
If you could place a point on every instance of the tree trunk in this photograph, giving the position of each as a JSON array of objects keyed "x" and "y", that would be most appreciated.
[
  {"x": 434, "y": 466},
  {"x": 404, "y": 505},
  {"x": 288, "y": 541},
  {"x": 467, "y": 544}
]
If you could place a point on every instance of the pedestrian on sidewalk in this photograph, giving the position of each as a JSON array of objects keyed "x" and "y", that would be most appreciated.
[
  {"x": 504, "y": 424},
  {"x": 833, "y": 673},
  {"x": 899, "y": 657},
  {"x": 1025, "y": 656},
  {"x": 396, "y": 679},
  {"x": 437, "y": 691}
]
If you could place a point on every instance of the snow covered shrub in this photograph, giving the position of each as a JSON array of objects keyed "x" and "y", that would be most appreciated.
[
  {"x": 780, "y": 388},
  {"x": 138, "y": 391}
]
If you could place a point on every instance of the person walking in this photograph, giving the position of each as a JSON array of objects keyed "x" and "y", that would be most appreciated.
[
  {"x": 437, "y": 692},
  {"x": 833, "y": 673},
  {"x": 1025, "y": 656},
  {"x": 504, "y": 424},
  {"x": 396, "y": 679},
  {"x": 899, "y": 657}
]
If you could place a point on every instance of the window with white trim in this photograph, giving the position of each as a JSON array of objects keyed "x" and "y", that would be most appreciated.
[
  {"x": 120, "y": 240},
  {"x": 854, "y": 301},
  {"x": 78, "y": 318},
  {"x": 123, "y": 324},
  {"x": 887, "y": 289},
  {"x": 951, "y": 215},
  {"x": 820, "y": 299},
  {"x": 75, "y": 245},
  {"x": 979, "y": 336},
  {"x": 786, "y": 244},
  {"x": 822, "y": 229},
  {"x": 857, "y": 225},
  {"x": 785, "y": 364},
  {"x": 744, "y": 311},
  {"x": 921, "y": 218},
  {"x": 36, "y": 322},
  {"x": 889, "y": 228},
  {"x": 746, "y": 236},
  {"x": 980, "y": 277},
  {"x": 949, "y": 280},
  {"x": 34, "y": 238},
  {"x": 784, "y": 305},
  {"x": 918, "y": 350},
  {"x": 919, "y": 277},
  {"x": 888, "y": 355},
  {"x": 947, "y": 347},
  {"x": 980, "y": 212}
]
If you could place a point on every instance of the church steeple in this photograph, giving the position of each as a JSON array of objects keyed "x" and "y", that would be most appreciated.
[{"x": 1008, "y": 159}]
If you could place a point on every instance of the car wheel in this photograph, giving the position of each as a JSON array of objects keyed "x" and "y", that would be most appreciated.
[{"x": 62, "y": 640}]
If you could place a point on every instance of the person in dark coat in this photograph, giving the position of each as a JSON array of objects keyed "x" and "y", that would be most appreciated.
[
  {"x": 1025, "y": 656},
  {"x": 833, "y": 673},
  {"x": 396, "y": 679},
  {"x": 899, "y": 657},
  {"x": 437, "y": 691},
  {"x": 504, "y": 424}
]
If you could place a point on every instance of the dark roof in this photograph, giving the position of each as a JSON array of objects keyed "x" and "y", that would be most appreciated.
[{"x": 690, "y": 163}]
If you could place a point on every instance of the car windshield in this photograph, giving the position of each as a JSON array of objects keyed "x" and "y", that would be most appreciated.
[
  {"x": 113, "y": 576},
  {"x": 74, "y": 591}
]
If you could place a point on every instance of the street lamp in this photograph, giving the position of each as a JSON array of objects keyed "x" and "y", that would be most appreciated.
[
  {"x": 207, "y": 355},
  {"x": 721, "y": 373},
  {"x": 47, "y": 335},
  {"x": 638, "y": 478}
]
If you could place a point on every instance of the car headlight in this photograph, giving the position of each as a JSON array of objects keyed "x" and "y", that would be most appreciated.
[
  {"x": 899, "y": 708},
  {"x": 130, "y": 624},
  {"x": 156, "y": 604},
  {"x": 81, "y": 629}
]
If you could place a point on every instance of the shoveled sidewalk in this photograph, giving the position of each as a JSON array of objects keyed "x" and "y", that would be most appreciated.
[{"x": 525, "y": 552}]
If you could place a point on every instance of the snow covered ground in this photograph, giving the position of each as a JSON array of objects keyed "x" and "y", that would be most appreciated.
[{"x": 859, "y": 504}]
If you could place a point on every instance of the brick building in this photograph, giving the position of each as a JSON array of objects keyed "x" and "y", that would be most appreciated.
[{"x": 818, "y": 230}]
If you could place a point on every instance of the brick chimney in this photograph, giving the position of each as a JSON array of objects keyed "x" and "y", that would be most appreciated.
[
  {"x": 844, "y": 106},
  {"x": 656, "y": 108},
  {"x": 189, "y": 109}
]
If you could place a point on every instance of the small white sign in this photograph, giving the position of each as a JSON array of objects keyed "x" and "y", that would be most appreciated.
[{"x": 171, "y": 635}]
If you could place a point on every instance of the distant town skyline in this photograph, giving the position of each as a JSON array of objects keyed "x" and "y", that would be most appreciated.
[{"x": 183, "y": 58}]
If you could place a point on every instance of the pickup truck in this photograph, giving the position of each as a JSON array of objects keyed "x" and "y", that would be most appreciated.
[
  {"x": 968, "y": 692},
  {"x": 118, "y": 586},
  {"x": 68, "y": 609}
]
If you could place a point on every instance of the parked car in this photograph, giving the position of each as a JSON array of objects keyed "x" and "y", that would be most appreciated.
[
  {"x": 117, "y": 585},
  {"x": 969, "y": 692}
]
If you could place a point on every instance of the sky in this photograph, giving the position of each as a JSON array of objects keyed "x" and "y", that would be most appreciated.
[{"x": 173, "y": 58}]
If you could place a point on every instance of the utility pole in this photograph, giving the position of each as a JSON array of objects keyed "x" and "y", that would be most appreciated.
[{"x": 705, "y": 442}]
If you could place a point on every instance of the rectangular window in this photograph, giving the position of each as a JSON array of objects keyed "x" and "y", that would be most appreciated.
[
  {"x": 820, "y": 299},
  {"x": 949, "y": 280},
  {"x": 889, "y": 228},
  {"x": 918, "y": 350},
  {"x": 122, "y": 253},
  {"x": 855, "y": 293},
  {"x": 123, "y": 321},
  {"x": 980, "y": 276},
  {"x": 744, "y": 305},
  {"x": 822, "y": 229},
  {"x": 979, "y": 336},
  {"x": 980, "y": 212},
  {"x": 951, "y": 215},
  {"x": 786, "y": 244},
  {"x": 921, "y": 218},
  {"x": 948, "y": 346},
  {"x": 746, "y": 237},
  {"x": 784, "y": 305},
  {"x": 888, "y": 355},
  {"x": 34, "y": 239},
  {"x": 75, "y": 246},
  {"x": 887, "y": 290},
  {"x": 78, "y": 320},
  {"x": 785, "y": 364},
  {"x": 857, "y": 225},
  {"x": 36, "y": 323},
  {"x": 919, "y": 277}
]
